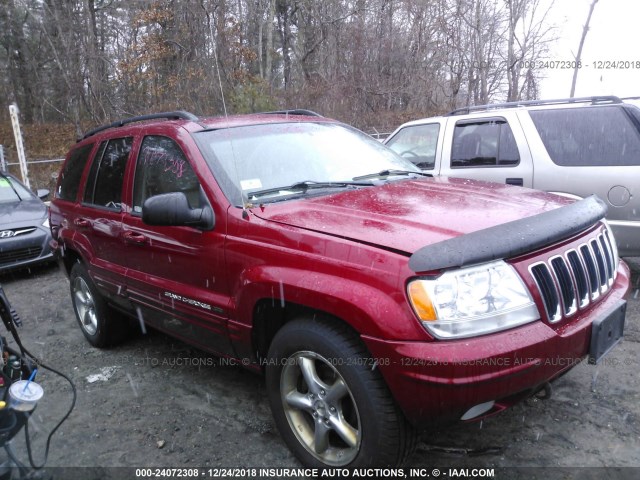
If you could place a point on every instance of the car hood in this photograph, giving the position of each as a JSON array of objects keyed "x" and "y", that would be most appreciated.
[
  {"x": 404, "y": 216},
  {"x": 19, "y": 213}
]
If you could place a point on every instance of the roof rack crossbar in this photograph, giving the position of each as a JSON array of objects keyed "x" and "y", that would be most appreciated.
[
  {"x": 295, "y": 111},
  {"x": 177, "y": 115},
  {"x": 529, "y": 103}
]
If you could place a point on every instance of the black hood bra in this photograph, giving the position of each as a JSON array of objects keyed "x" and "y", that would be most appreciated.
[{"x": 510, "y": 239}]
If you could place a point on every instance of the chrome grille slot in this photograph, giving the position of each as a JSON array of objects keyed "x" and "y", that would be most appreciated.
[
  {"x": 547, "y": 286},
  {"x": 602, "y": 267},
  {"x": 565, "y": 282},
  {"x": 614, "y": 253},
  {"x": 592, "y": 271},
  {"x": 580, "y": 276},
  {"x": 575, "y": 278},
  {"x": 608, "y": 256}
]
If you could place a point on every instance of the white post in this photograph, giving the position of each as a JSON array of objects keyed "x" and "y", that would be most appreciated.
[
  {"x": 3, "y": 165},
  {"x": 13, "y": 111}
]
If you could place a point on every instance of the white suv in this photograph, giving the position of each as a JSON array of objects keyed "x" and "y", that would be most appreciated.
[{"x": 573, "y": 147}]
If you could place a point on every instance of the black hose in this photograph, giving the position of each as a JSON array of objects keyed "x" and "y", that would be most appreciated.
[
  {"x": 10, "y": 318},
  {"x": 58, "y": 425},
  {"x": 12, "y": 456}
]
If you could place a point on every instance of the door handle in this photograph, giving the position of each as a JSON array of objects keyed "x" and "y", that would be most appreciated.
[
  {"x": 515, "y": 181},
  {"x": 134, "y": 238},
  {"x": 82, "y": 222}
]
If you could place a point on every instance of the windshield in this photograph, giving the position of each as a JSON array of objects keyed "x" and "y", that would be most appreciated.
[
  {"x": 12, "y": 191},
  {"x": 259, "y": 157}
]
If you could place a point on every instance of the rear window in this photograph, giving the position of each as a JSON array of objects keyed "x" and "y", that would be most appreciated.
[
  {"x": 72, "y": 173},
  {"x": 588, "y": 137}
]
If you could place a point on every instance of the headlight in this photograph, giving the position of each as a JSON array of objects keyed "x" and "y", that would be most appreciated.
[
  {"x": 472, "y": 301},
  {"x": 45, "y": 224}
]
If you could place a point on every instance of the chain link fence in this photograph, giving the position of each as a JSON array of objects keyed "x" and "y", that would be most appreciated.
[{"x": 43, "y": 173}]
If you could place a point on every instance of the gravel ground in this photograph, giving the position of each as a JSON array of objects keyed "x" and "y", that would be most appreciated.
[{"x": 156, "y": 402}]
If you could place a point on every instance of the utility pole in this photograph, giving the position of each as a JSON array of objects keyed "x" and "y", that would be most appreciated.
[
  {"x": 17, "y": 135},
  {"x": 579, "y": 56}
]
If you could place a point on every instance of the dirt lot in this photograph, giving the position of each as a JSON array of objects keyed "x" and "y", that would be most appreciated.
[{"x": 149, "y": 404}]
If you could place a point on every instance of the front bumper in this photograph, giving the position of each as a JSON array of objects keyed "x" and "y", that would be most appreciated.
[
  {"x": 439, "y": 381},
  {"x": 25, "y": 250}
]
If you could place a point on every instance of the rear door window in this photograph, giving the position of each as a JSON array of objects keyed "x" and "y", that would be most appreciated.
[
  {"x": 418, "y": 144},
  {"x": 72, "y": 173},
  {"x": 104, "y": 185},
  {"x": 593, "y": 136},
  {"x": 484, "y": 143}
]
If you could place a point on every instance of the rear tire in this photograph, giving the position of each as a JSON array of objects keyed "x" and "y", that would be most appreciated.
[
  {"x": 100, "y": 325},
  {"x": 331, "y": 407}
]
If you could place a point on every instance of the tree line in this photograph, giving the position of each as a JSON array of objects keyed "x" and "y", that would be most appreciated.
[{"x": 366, "y": 62}]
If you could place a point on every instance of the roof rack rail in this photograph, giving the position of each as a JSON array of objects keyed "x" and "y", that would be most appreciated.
[
  {"x": 177, "y": 115},
  {"x": 295, "y": 111},
  {"x": 529, "y": 103}
]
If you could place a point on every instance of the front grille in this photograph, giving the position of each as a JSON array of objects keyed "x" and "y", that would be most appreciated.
[
  {"x": 576, "y": 278},
  {"x": 19, "y": 255}
]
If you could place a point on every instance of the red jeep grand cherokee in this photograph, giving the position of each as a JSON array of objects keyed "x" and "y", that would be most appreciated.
[{"x": 377, "y": 300}]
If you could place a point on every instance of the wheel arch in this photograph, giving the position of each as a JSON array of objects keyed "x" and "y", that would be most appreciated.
[
  {"x": 270, "y": 316},
  {"x": 269, "y": 298},
  {"x": 70, "y": 258},
  {"x": 73, "y": 249},
  {"x": 367, "y": 307}
]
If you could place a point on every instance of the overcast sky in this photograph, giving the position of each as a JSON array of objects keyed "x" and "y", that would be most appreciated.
[{"x": 614, "y": 35}]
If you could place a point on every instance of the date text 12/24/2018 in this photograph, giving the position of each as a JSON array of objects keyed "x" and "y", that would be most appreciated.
[
  {"x": 614, "y": 64},
  {"x": 247, "y": 473},
  {"x": 572, "y": 64}
]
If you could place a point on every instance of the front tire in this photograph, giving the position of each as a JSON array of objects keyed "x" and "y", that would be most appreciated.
[
  {"x": 100, "y": 325},
  {"x": 331, "y": 407}
]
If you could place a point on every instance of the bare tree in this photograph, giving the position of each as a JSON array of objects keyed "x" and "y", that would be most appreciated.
[
  {"x": 363, "y": 61},
  {"x": 527, "y": 38}
]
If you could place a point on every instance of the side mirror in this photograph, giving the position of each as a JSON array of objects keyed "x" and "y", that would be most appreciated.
[
  {"x": 172, "y": 209},
  {"x": 42, "y": 193}
]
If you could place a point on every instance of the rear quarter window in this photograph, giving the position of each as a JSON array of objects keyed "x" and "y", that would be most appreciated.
[
  {"x": 72, "y": 173},
  {"x": 588, "y": 137}
]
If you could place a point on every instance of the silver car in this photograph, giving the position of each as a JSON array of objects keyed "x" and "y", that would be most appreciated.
[
  {"x": 571, "y": 147},
  {"x": 24, "y": 225}
]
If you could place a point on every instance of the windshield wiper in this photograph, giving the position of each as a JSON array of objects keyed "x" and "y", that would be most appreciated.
[
  {"x": 8, "y": 179},
  {"x": 307, "y": 185},
  {"x": 388, "y": 173}
]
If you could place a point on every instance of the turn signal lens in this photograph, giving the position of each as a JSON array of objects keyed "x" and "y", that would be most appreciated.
[{"x": 421, "y": 302}]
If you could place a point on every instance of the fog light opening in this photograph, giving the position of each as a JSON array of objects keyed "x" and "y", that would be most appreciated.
[{"x": 478, "y": 410}]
